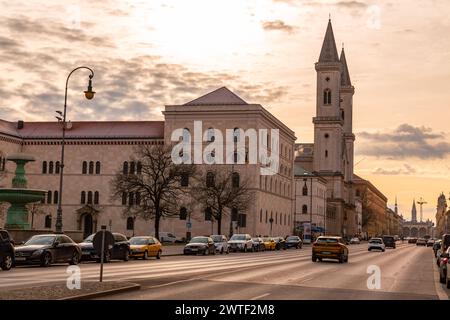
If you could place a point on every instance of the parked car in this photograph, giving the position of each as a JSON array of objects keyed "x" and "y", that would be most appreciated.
[
  {"x": 269, "y": 243},
  {"x": 412, "y": 240},
  {"x": 241, "y": 242},
  {"x": 202, "y": 245},
  {"x": 436, "y": 246},
  {"x": 376, "y": 244},
  {"x": 430, "y": 242},
  {"x": 169, "y": 237},
  {"x": 258, "y": 244},
  {"x": 47, "y": 249},
  {"x": 120, "y": 250},
  {"x": 280, "y": 243},
  {"x": 439, "y": 253},
  {"x": 355, "y": 240},
  {"x": 293, "y": 242},
  {"x": 443, "y": 266},
  {"x": 221, "y": 243},
  {"x": 421, "y": 242},
  {"x": 145, "y": 247},
  {"x": 6, "y": 250},
  {"x": 389, "y": 241},
  {"x": 329, "y": 247}
]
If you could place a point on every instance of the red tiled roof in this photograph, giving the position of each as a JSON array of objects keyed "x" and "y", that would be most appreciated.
[{"x": 86, "y": 129}]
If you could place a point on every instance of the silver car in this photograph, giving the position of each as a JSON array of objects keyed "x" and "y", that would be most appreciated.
[
  {"x": 241, "y": 242},
  {"x": 221, "y": 243},
  {"x": 376, "y": 244}
]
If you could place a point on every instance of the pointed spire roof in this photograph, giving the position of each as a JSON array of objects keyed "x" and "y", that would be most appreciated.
[
  {"x": 345, "y": 75},
  {"x": 329, "y": 51},
  {"x": 221, "y": 97},
  {"x": 414, "y": 212}
]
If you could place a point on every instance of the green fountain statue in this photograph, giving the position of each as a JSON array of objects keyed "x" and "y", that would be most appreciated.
[{"x": 19, "y": 196}]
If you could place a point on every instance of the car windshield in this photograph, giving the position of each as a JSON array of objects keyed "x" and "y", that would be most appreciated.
[
  {"x": 375, "y": 241},
  {"x": 292, "y": 239},
  {"x": 217, "y": 238},
  {"x": 139, "y": 241},
  {"x": 238, "y": 237},
  {"x": 89, "y": 239},
  {"x": 199, "y": 240},
  {"x": 327, "y": 240},
  {"x": 40, "y": 240}
]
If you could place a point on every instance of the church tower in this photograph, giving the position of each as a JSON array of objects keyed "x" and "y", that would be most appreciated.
[
  {"x": 414, "y": 212},
  {"x": 329, "y": 145}
]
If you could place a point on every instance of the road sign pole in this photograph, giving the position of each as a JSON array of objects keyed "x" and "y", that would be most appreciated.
[{"x": 102, "y": 253}]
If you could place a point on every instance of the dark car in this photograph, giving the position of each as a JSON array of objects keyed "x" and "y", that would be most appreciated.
[
  {"x": 443, "y": 268},
  {"x": 293, "y": 242},
  {"x": 120, "y": 250},
  {"x": 202, "y": 245},
  {"x": 412, "y": 240},
  {"x": 47, "y": 249},
  {"x": 389, "y": 241},
  {"x": 6, "y": 250},
  {"x": 436, "y": 246},
  {"x": 258, "y": 244},
  {"x": 280, "y": 243}
]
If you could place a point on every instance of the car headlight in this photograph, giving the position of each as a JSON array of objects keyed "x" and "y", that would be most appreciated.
[{"x": 37, "y": 252}]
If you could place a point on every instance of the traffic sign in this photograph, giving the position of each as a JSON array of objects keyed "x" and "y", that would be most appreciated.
[
  {"x": 97, "y": 241},
  {"x": 188, "y": 225}
]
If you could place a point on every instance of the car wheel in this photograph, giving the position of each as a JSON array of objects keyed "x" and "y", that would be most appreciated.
[
  {"x": 221, "y": 251},
  {"x": 126, "y": 256},
  {"x": 441, "y": 278},
  {"x": 7, "y": 262},
  {"x": 46, "y": 259},
  {"x": 245, "y": 248},
  {"x": 158, "y": 255},
  {"x": 75, "y": 258},
  {"x": 320, "y": 259},
  {"x": 214, "y": 251},
  {"x": 341, "y": 258},
  {"x": 447, "y": 283},
  {"x": 314, "y": 259},
  {"x": 370, "y": 249},
  {"x": 346, "y": 259},
  {"x": 145, "y": 256}
]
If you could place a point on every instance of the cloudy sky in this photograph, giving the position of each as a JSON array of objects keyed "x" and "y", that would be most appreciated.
[{"x": 150, "y": 53}]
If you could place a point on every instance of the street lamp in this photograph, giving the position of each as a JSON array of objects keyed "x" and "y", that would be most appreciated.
[{"x": 89, "y": 94}]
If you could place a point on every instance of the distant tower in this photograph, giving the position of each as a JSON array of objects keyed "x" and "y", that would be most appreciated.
[
  {"x": 396, "y": 206},
  {"x": 414, "y": 212}
]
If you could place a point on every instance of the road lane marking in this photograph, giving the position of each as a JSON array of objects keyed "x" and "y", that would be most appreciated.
[{"x": 261, "y": 296}]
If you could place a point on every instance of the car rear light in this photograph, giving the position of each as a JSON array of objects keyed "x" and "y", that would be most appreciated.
[{"x": 445, "y": 260}]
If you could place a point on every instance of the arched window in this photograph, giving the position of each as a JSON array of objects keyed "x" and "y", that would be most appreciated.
[
  {"x": 210, "y": 180},
  {"x": 235, "y": 180},
  {"x": 342, "y": 114},
  {"x": 83, "y": 197},
  {"x": 358, "y": 193},
  {"x": 208, "y": 214},
  {"x": 327, "y": 96},
  {"x": 49, "y": 197},
  {"x": 304, "y": 209},
  {"x": 235, "y": 157},
  {"x": 284, "y": 219},
  {"x": 234, "y": 214},
  {"x": 236, "y": 132},
  {"x": 44, "y": 167},
  {"x": 266, "y": 216},
  {"x": 91, "y": 167},
  {"x": 57, "y": 167},
  {"x": 132, "y": 167},
  {"x": 50, "y": 167},
  {"x": 55, "y": 197},
  {"x": 48, "y": 221},
  {"x": 184, "y": 180},
  {"x": 124, "y": 198},
  {"x": 125, "y": 167},
  {"x": 260, "y": 216},
  {"x": 96, "y": 197},
  {"x": 305, "y": 189},
  {"x": 210, "y": 135},
  {"x": 276, "y": 217},
  {"x": 183, "y": 213},
  {"x": 138, "y": 198},
  {"x": 131, "y": 199},
  {"x": 84, "y": 168},
  {"x": 89, "y": 197},
  {"x": 326, "y": 153},
  {"x": 130, "y": 223},
  {"x": 97, "y": 167},
  {"x": 139, "y": 168}
]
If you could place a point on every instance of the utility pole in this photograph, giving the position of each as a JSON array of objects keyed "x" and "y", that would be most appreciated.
[{"x": 420, "y": 203}]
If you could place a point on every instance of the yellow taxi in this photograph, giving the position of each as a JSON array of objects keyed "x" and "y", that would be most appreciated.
[
  {"x": 269, "y": 243},
  {"x": 145, "y": 247},
  {"x": 329, "y": 247}
]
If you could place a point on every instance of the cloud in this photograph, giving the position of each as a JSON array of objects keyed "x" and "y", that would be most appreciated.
[
  {"x": 277, "y": 25},
  {"x": 406, "y": 170},
  {"x": 351, "y": 4},
  {"x": 403, "y": 142}
]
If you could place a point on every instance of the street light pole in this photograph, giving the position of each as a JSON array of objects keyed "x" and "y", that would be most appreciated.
[{"x": 89, "y": 94}]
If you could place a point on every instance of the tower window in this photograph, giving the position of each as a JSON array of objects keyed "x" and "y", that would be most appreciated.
[
  {"x": 326, "y": 153},
  {"x": 327, "y": 135},
  {"x": 44, "y": 167},
  {"x": 327, "y": 97},
  {"x": 304, "y": 209}
]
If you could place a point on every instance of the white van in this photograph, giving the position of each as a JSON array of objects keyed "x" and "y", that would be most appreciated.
[{"x": 168, "y": 237}]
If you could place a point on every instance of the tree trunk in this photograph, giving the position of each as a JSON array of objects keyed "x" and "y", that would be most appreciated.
[
  {"x": 219, "y": 222},
  {"x": 157, "y": 217}
]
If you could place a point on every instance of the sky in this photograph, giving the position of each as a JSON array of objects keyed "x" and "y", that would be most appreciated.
[{"x": 147, "y": 54}]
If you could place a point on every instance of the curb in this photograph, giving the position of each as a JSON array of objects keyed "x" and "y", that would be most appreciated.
[{"x": 131, "y": 287}]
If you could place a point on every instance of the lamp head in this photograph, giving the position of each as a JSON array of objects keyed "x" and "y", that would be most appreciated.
[{"x": 89, "y": 94}]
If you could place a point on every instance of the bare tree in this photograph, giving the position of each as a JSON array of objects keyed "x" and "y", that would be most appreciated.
[
  {"x": 155, "y": 184},
  {"x": 221, "y": 191},
  {"x": 36, "y": 208},
  {"x": 368, "y": 213}
]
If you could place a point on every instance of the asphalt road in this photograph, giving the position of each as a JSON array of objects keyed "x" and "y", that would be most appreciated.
[{"x": 407, "y": 272}]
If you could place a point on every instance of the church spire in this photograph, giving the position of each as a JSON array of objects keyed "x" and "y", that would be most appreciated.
[
  {"x": 329, "y": 51},
  {"x": 396, "y": 206},
  {"x": 345, "y": 75},
  {"x": 414, "y": 212}
]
